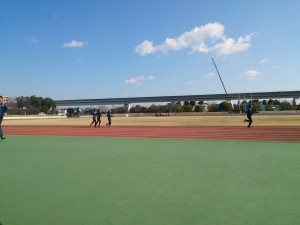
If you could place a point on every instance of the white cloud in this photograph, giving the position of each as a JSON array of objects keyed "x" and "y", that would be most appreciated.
[
  {"x": 251, "y": 74},
  {"x": 209, "y": 75},
  {"x": 32, "y": 40},
  {"x": 145, "y": 48},
  {"x": 74, "y": 44},
  {"x": 207, "y": 38},
  {"x": 263, "y": 61},
  {"x": 138, "y": 80},
  {"x": 230, "y": 46}
]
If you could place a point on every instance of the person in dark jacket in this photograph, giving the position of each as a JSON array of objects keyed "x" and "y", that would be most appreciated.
[
  {"x": 109, "y": 116},
  {"x": 99, "y": 114},
  {"x": 94, "y": 118},
  {"x": 3, "y": 110},
  {"x": 249, "y": 116}
]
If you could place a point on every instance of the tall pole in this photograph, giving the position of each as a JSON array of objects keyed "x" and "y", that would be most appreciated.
[{"x": 219, "y": 75}]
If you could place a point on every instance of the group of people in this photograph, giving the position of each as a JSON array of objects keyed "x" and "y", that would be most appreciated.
[
  {"x": 97, "y": 117},
  {"x": 97, "y": 114}
]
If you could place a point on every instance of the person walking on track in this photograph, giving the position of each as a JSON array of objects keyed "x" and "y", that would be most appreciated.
[
  {"x": 94, "y": 118},
  {"x": 109, "y": 116},
  {"x": 3, "y": 110},
  {"x": 99, "y": 114},
  {"x": 249, "y": 116}
]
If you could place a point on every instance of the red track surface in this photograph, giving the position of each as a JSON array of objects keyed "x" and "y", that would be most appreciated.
[{"x": 178, "y": 132}]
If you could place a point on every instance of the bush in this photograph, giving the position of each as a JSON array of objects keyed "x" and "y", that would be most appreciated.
[
  {"x": 225, "y": 107},
  {"x": 213, "y": 108},
  {"x": 15, "y": 111},
  {"x": 198, "y": 108}
]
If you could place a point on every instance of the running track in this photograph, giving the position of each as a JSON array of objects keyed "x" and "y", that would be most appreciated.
[{"x": 290, "y": 134}]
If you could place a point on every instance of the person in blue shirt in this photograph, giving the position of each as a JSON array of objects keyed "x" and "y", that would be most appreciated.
[
  {"x": 249, "y": 116},
  {"x": 109, "y": 116},
  {"x": 99, "y": 114},
  {"x": 3, "y": 110},
  {"x": 94, "y": 118}
]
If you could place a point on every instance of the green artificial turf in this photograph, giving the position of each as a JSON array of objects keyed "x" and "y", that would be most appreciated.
[{"x": 119, "y": 181}]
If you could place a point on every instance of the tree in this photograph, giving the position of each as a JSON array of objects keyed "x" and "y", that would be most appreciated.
[
  {"x": 153, "y": 108},
  {"x": 213, "y": 107},
  {"x": 256, "y": 105},
  {"x": 136, "y": 109},
  {"x": 34, "y": 105},
  {"x": 198, "y": 108},
  {"x": 178, "y": 107},
  {"x": 276, "y": 102},
  {"x": 118, "y": 110},
  {"x": 144, "y": 109},
  {"x": 285, "y": 105},
  {"x": 192, "y": 103},
  {"x": 270, "y": 102},
  {"x": 36, "y": 102},
  {"x": 225, "y": 106},
  {"x": 164, "y": 108},
  {"x": 269, "y": 107},
  {"x": 243, "y": 105},
  {"x": 187, "y": 108},
  {"x": 185, "y": 103},
  {"x": 48, "y": 105},
  {"x": 23, "y": 102}
]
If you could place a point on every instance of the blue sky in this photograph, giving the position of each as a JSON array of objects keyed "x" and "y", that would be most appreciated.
[{"x": 107, "y": 49}]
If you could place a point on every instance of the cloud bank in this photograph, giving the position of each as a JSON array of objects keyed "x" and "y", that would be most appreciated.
[
  {"x": 74, "y": 44},
  {"x": 138, "y": 80},
  {"x": 251, "y": 74},
  {"x": 205, "y": 39}
]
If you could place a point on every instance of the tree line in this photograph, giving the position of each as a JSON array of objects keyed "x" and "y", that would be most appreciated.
[
  {"x": 32, "y": 105},
  {"x": 200, "y": 106}
]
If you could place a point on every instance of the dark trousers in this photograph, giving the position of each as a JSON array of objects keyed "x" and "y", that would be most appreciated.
[
  {"x": 1, "y": 132},
  {"x": 94, "y": 121},
  {"x": 98, "y": 121},
  {"x": 249, "y": 120},
  {"x": 109, "y": 122}
]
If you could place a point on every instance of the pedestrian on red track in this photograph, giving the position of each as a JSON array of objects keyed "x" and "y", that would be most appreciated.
[
  {"x": 99, "y": 114},
  {"x": 109, "y": 116},
  {"x": 94, "y": 118},
  {"x": 3, "y": 110},
  {"x": 249, "y": 116}
]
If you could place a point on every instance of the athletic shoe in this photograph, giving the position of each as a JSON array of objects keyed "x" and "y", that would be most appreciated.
[{"x": 2, "y": 137}]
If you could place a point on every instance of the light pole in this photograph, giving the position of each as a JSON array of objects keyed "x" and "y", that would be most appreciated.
[{"x": 219, "y": 75}]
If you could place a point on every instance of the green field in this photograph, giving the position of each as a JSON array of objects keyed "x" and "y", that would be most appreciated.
[{"x": 120, "y": 181}]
